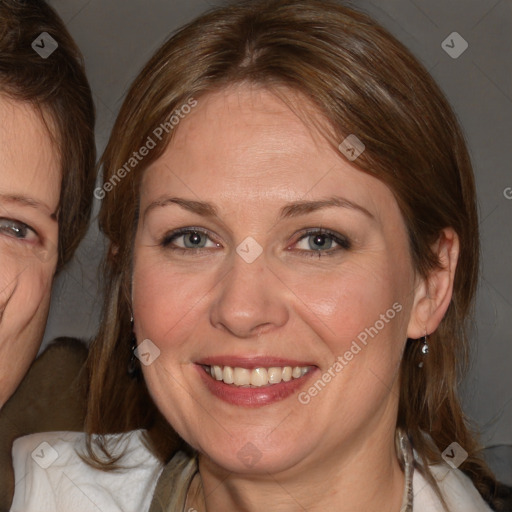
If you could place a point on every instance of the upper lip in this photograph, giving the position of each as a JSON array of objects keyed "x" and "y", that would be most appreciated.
[{"x": 251, "y": 362}]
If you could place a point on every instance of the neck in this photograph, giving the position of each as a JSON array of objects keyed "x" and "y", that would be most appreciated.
[{"x": 363, "y": 475}]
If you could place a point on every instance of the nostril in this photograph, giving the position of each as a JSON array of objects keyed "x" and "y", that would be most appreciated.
[{"x": 262, "y": 329}]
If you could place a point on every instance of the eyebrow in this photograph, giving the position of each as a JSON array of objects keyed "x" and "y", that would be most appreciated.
[
  {"x": 28, "y": 201},
  {"x": 199, "y": 207},
  {"x": 304, "y": 207},
  {"x": 294, "y": 209}
]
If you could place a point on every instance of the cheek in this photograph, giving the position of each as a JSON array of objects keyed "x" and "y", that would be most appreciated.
[
  {"x": 358, "y": 314},
  {"x": 166, "y": 303},
  {"x": 25, "y": 285},
  {"x": 24, "y": 305},
  {"x": 343, "y": 304}
]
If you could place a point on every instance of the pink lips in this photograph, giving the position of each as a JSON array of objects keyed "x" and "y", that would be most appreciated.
[{"x": 251, "y": 396}]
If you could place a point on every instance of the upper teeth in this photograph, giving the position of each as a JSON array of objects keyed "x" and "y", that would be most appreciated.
[{"x": 256, "y": 377}]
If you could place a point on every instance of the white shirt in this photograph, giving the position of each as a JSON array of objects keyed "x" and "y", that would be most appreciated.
[
  {"x": 457, "y": 489},
  {"x": 51, "y": 477}
]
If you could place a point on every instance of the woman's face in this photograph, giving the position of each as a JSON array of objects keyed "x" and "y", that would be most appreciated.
[
  {"x": 261, "y": 253},
  {"x": 29, "y": 195}
]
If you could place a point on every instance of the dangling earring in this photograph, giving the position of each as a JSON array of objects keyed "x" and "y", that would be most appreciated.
[
  {"x": 424, "y": 347},
  {"x": 133, "y": 367}
]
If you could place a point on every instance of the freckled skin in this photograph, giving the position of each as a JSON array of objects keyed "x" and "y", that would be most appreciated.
[
  {"x": 244, "y": 151},
  {"x": 29, "y": 166}
]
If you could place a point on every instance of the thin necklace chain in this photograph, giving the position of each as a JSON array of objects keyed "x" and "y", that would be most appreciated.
[{"x": 408, "y": 457}]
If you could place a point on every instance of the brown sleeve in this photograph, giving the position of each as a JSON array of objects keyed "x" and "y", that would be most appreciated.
[{"x": 51, "y": 397}]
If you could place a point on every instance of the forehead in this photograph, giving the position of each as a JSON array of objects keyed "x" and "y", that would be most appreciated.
[
  {"x": 29, "y": 156},
  {"x": 245, "y": 141},
  {"x": 249, "y": 122}
]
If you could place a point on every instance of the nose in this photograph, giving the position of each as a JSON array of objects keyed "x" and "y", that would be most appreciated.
[{"x": 250, "y": 300}]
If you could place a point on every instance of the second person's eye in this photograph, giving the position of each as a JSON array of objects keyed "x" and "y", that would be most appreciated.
[{"x": 17, "y": 229}]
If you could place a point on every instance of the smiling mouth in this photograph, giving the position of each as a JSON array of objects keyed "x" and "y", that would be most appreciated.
[{"x": 256, "y": 377}]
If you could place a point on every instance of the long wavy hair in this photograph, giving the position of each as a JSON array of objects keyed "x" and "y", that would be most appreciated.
[{"x": 362, "y": 81}]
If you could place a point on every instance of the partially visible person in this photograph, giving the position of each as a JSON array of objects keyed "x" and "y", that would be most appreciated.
[{"x": 47, "y": 174}]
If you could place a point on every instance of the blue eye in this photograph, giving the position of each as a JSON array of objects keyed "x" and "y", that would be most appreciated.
[
  {"x": 322, "y": 241},
  {"x": 188, "y": 238},
  {"x": 16, "y": 229}
]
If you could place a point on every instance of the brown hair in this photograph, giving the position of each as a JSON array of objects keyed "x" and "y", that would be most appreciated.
[
  {"x": 57, "y": 86},
  {"x": 363, "y": 82}
]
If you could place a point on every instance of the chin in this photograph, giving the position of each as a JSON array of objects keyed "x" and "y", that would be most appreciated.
[{"x": 253, "y": 454}]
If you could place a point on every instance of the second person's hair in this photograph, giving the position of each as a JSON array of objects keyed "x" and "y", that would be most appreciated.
[{"x": 57, "y": 86}]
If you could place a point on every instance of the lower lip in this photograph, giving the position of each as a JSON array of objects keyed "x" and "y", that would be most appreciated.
[{"x": 252, "y": 397}]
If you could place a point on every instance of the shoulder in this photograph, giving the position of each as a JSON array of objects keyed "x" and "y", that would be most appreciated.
[
  {"x": 457, "y": 489},
  {"x": 50, "y": 397},
  {"x": 51, "y": 474},
  {"x": 52, "y": 394}
]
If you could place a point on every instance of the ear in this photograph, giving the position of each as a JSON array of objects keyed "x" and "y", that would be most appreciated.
[{"x": 433, "y": 294}]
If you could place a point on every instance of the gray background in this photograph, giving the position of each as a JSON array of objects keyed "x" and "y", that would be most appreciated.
[{"x": 118, "y": 36}]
